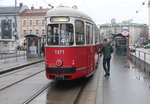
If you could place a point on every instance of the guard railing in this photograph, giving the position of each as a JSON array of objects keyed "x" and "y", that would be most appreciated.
[{"x": 141, "y": 59}]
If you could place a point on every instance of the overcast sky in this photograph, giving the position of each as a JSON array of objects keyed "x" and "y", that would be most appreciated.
[{"x": 102, "y": 11}]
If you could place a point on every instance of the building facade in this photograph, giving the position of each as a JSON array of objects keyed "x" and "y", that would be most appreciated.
[
  {"x": 138, "y": 33},
  {"x": 32, "y": 22},
  {"x": 9, "y": 16}
]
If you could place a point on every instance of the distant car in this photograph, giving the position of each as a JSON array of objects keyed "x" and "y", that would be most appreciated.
[
  {"x": 146, "y": 46},
  {"x": 132, "y": 48}
]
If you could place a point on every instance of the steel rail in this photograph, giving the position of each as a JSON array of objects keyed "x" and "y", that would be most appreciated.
[
  {"x": 77, "y": 99},
  {"x": 38, "y": 93},
  {"x": 21, "y": 80}
]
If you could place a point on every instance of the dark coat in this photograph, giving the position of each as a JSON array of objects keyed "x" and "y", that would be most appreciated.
[{"x": 106, "y": 50}]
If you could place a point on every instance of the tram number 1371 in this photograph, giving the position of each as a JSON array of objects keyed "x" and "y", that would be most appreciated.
[{"x": 59, "y": 52}]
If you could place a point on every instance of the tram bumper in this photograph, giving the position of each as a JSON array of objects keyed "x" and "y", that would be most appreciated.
[
  {"x": 61, "y": 70},
  {"x": 60, "y": 73}
]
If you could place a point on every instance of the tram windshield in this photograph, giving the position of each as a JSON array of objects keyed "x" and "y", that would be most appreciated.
[{"x": 60, "y": 34}]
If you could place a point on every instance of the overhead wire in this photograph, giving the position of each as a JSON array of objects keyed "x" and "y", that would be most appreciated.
[
  {"x": 45, "y": 1},
  {"x": 87, "y": 8}
]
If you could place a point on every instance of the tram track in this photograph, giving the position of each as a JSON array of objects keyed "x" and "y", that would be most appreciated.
[
  {"x": 38, "y": 92},
  {"x": 21, "y": 80},
  {"x": 6, "y": 77},
  {"x": 77, "y": 99},
  {"x": 77, "y": 93},
  {"x": 64, "y": 92},
  {"x": 28, "y": 83},
  {"x": 57, "y": 87},
  {"x": 19, "y": 69},
  {"x": 19, "y": 66}
]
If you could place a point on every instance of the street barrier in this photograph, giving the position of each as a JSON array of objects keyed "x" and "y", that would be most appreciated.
[
  {"x": 141, "y": 59},
  {"x": 12, "y": 54}
]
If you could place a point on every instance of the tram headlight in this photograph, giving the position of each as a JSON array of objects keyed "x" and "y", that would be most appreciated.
[
  {"x": 59, "y": 63},
  {"x": 46, "y": 63},
  {"x": 73, "y": 63}
]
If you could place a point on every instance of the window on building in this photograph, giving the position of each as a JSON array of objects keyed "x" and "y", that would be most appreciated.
[
  {"x": 30, "y": 31},
  {"x": 36, "y": 22},
  {"x": 24, "y": 22},
  {"x": 30, "y": 22},
  {"x": 43, "y": 22},
  {"x": 24, "y": 32},
  {"x": 43, "y": 32},
  {"x": 37, "y": 31}
]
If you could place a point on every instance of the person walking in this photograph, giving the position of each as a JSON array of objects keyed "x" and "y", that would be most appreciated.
[{"x": 106, "y": 50}]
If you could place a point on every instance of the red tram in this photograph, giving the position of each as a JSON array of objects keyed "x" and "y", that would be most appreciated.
[{"x": 72, "y": 42}]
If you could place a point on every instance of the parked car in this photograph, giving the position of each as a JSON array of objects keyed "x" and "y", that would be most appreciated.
[
  {"x": 146, "y": 46},
  {"x": 132, "y": 48}
]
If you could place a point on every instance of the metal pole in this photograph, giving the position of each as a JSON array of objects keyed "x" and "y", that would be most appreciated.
[
  {"x": 15, "y": 15},
  {"x": 128, "y": 47},
  {"x": 5, "y": 55},
  {"x": 15, "y": 32},
  {"x": 144, "y": 61},
  {"x": 16, "y": 53}
]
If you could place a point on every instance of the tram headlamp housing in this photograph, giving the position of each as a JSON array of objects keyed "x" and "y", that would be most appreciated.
[{"x": 59, "y": 63}]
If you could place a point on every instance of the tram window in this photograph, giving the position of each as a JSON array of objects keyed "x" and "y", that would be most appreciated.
[
  {"x": 87, "y": 34},
  {"x": 66, "y": 34},
  {"x": 79, "y": 32},
  {"x": 52, "y": 34},
  {"x": 96, "y": 36},
  {"x": 91, "y": 35},
  {"x": 60, "y": 34}
]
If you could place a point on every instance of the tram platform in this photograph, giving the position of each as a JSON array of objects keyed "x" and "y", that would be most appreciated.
[
  {"x": 126, "y": 85},
  {"x": 17, "y": 62}
]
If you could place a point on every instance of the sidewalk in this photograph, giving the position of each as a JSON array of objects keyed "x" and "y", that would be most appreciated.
[
  {"x": 126, "y": 84},
  {"x": 13, "y": 63}
]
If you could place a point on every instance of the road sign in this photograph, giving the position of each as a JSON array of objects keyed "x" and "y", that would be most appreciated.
[{"x": 125, "y": 31}]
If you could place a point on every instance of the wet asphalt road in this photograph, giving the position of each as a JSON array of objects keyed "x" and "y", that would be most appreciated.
[{"x": 126, "y": 85}]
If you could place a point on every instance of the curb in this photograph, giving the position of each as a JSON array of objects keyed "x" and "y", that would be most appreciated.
[{"x": 19, "y": 66}]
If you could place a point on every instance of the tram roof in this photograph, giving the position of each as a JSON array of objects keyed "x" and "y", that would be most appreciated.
[{"x": 66, "y": 11}]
